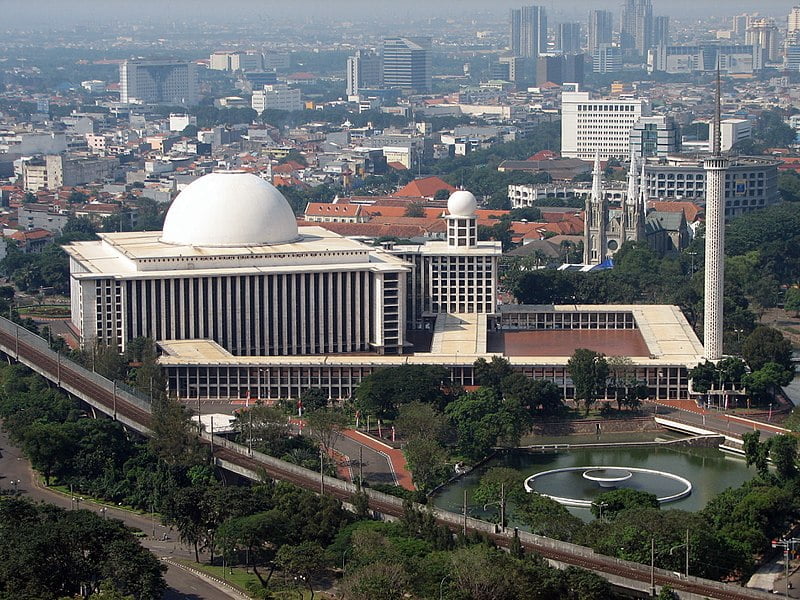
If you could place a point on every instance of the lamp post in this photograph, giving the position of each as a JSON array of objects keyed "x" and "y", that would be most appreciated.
[
  {"x": 103, "y": 511},
  {"x": 15, "y": 484},
  {"x": 786, "y": 544},
  {"x": 441, "y": 586},
  {"x": 653, "y": 566},
  {"x": 686, "y": 546},
  {"x": 502, "y": 504}
]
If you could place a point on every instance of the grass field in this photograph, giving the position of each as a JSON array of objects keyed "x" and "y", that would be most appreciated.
[{"x": 45, "y": 311}]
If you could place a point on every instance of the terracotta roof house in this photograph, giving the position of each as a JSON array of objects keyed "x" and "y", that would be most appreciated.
[{"x": 425, "y": 187}]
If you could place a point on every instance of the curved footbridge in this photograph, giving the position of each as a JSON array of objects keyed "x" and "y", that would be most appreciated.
[{"x": 133, "y": 411}]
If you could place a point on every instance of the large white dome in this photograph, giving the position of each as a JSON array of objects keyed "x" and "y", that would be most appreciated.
[
  {"x": 461, "y": 204},
  {"x": 229, "y": 209}
]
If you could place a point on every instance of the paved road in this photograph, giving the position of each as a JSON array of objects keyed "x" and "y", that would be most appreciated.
[
  {"x": 376, "y": 466},
  {"x": 182, "y": 584},
  {"x": 716, "y": 421}
]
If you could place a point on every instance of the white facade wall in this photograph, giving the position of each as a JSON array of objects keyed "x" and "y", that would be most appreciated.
[
  {"x": 589, "y": 126},
  {"x": 276, "y": 97}
]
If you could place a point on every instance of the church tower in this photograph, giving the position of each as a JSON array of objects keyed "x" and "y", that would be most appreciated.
[
  {"x": 596, "y": 220},
  {"x": 634, "y": 211}
]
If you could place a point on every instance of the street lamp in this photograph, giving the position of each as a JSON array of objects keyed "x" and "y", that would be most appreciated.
[
  {"x": 103, "y": 511},
  {"x": 441, "y": 586},
  {"x": 502, "y": 504},
  {"x": 15, "y": 483},
  {"x": 683, "y": 545},
  {"x": 601, "y": 506}
]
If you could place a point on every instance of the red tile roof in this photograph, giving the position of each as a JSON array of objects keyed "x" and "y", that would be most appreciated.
[
  {"x": 425, "y": 187},
  {"x": 690, "y": 210},
  {"x": 329, "y": 209}
]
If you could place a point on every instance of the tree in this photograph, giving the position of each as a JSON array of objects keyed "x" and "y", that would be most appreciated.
[
  {"x": 589, "y": 372},
  {"x": 497, "y": 486},
  {"x": 492, "y": 372},
  {"x": 264, "y": 427},
  {"x": 260, "y": 534},
  {"x": 313, "y": 399},
  {"x": 415, "y": 209},
  {"x": 547, "y": 517},
  {"x": 783, "y": 452},
  {"x": 767, "y": 345},
  {"x": 791, "y": 302},
  {"x": 761, "y": 384},
  {"x": 756, "y": 452},
  {"x": 482, "y": 420},
  {"x": 426, "y": 458},
  {"x": 377, "y": 581},
  {"x": 326, "y": 426},
  {"x": 442, "y": 194},
  {"x": 418, "y": 420},
  {"x": 704, "y": 377},
  {"x": 174, "y": 437},
  {"x": 384, "y": 391},
  {"x": 304, "y": 560},
  {"x": 611, "y": 503},
  {"x": 48, "y": 446}
]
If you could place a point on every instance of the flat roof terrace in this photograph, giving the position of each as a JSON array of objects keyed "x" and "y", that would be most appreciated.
[{"x": 564, "y": 342}]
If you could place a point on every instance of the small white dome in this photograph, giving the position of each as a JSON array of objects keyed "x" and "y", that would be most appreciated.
[
  {"x": 462, "y": 204},
  {"x": 229, "y": 209}
]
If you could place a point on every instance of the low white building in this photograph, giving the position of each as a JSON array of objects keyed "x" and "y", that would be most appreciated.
[{"x": 276, "y": 97}]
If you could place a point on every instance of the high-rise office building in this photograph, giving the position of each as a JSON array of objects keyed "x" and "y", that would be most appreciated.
[
  {"x": 655, "y": 136},
  {"x": 158, "y": 82},
  {"x": 591, "y": 126},
  {"x": 636, "y": 30},
  {"x": 363, "y": 71},
  {"x": 568, "y": 37},
  {"x": 559, "y": 69},
  {"x": 794, "y": 21},
  {"x": 407, "y": 63},
  {"x": 660, "y": 30},
  {"x": 764, "y": 33},
  {"x": 528, "y": 31},
  {"x": 607, "y": 59},
  {"x": 601, "y": 28},
  {"x": 512, "y": 68},
  {"x": 237, "y": 61},
  {"x": 739, "y": 26}
]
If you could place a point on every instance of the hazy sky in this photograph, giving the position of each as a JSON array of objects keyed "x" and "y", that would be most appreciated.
[{"x": 66, "y": 12}]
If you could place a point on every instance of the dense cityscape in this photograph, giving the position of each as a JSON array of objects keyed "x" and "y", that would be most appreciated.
[{"x": 373, "y": 301}]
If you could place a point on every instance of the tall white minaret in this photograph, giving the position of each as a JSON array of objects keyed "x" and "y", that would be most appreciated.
[{"x": 716, "y": 167}]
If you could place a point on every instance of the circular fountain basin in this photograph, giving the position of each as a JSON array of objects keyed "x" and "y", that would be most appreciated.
[{"x": 609, "y": 477}]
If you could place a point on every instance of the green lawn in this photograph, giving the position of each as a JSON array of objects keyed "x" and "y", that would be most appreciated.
[
  {"x": 52, "y": 311},
  {"x": 242, "y": 580}
]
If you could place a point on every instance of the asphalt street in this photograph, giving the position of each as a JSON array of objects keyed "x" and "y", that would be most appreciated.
[
  {"x": 183, "y": 585},
  {"x": 376, "y": 466}
]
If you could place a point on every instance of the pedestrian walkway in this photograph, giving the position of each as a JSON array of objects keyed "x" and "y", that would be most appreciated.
[
  {"x": 718, "y": 420},
  {"x": 397, "y": 459}
]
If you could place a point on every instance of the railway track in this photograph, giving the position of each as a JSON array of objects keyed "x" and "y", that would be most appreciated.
[{"x": 67, "y": 373}]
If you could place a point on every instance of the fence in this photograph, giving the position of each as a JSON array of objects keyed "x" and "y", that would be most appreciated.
[{"x": 124, "y": 393}]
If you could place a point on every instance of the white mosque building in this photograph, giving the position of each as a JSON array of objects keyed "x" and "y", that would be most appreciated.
[{"x": 243, "y": 303}]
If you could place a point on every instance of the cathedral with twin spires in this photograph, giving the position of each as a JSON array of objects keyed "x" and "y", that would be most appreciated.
[{"x": 605, "y": 229}]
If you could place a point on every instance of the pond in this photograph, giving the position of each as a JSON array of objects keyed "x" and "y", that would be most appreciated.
[{"x": 709, "y": 470}]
